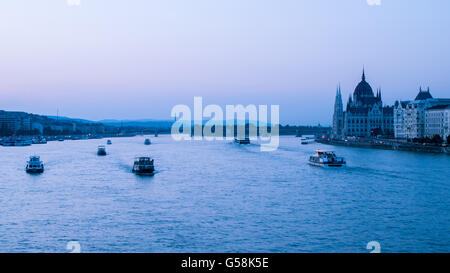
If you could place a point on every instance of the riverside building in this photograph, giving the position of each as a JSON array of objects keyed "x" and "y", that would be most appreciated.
[
  {"x": 365, "y": 115},
  {"x": 409, "y": 116},
  {"x": 437, "y": 121}
]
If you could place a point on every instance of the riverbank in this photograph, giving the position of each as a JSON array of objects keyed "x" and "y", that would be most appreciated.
[{"x": 388, "y": 145}]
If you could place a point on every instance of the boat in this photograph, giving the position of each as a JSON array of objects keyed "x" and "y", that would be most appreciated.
[
  {"x": 143, "y": 166},
  {"x": 35, "y": 165},
  {"x": 246, "y": 140},
  {"x": 109, "y": 142},
  {"x": 39, "y": 141},
  {"x": 147, "y": 141},
  {"x": 23, "y": 142},
  {"x": 306, "y": 140},
  {"x": 101, "y": 150},
  {"x": 61, "y": 139},
  {"x": 13, "y": 141},
  {"x": 326, "y": 159},
  {"x": 8, "y": 142}
]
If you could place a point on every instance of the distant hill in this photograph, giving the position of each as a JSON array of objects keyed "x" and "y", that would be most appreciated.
[
  {"x": 72, "y": 119},
  {"x": 144, "y": 123}
]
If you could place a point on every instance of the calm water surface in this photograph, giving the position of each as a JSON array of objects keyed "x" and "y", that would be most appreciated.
[{"x": 222, "y": 197}]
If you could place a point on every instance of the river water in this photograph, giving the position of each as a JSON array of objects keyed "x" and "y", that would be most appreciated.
[{"x": 222, "y": 197}]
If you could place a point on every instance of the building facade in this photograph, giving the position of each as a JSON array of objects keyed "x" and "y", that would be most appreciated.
[
  {"x": 409, "y": 116},
  {"x": 11, "y": 122},
  {"x": 364, "y": 116},
  {"x": 437, "y": 121}
]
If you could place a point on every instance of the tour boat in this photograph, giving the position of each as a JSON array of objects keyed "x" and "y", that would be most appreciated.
[
  {"x": 306, "y": 140},
  {"x": 101, "y": 150},
  {"x": 35, "y": 165},
  {"x": 13, "y": 141},
  {"x": 147, "y": 141},
  {"x": 143, "y": 166},
  {"x": 109, "y": 142},
  {"x": 246, "y": 140},
  {"x": 8, "y": 142},
  {"x": 326, "y": 159}
]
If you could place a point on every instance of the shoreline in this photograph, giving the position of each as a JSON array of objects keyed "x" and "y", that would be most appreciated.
[{"x": 388, "y": 145}]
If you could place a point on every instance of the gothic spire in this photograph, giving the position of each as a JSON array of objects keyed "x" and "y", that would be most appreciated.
[{"x": 364, "y": 75}]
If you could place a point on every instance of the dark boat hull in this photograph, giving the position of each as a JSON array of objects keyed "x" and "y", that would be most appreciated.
[
  {"x": 145, "y": 173},
  {"x": 330, "y": 165},
  {"x": 242, "y": 141},
  {"x": 35, "y": 171}
]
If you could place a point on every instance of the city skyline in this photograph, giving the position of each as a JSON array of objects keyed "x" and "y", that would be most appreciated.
[{"x": 109, "y": 60}]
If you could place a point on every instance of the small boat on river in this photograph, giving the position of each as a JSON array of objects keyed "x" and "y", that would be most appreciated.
[
  {"x": 307, "y": 140},
  {"x": 143, "y": 166},
  {"x": 326, "y": 159},
  {"x": 101, "y": 150},
  {"x": 34, "y": 165}
]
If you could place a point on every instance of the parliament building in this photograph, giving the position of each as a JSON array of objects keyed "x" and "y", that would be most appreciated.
[{"x": 364, "y": 116}]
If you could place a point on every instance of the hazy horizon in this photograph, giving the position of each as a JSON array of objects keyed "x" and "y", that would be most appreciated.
[{"x": 112, "y": 59}]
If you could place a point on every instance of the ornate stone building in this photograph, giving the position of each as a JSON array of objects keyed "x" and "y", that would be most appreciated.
[
  {"x": 364, "y": 115},
  {"x": 409, "y": 116}
]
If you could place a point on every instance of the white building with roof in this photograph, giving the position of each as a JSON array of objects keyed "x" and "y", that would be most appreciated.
[
  {"x": 409, "y": 116},
  {"x": 437, "y": 121}
]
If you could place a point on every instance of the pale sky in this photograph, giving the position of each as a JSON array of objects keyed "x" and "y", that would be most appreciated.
[{"x": 136, "y": 59}]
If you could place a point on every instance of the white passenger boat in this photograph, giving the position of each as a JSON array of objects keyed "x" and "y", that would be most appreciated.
[
  {"x": 109, "y": 142},
  {"x": 307, "y": 140},
  {"x": 35, "y": 165},
  {"x": 143, "y": 166},
  {"x": 326, "y": 159}
]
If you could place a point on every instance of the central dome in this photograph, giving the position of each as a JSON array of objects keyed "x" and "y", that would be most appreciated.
[{"x": 363, "y": 89}]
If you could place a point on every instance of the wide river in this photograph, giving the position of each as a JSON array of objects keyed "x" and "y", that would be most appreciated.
[{"x": 222, "y": 197}]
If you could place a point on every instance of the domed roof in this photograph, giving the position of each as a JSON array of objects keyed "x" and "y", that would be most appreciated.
[{"x": 363, "y": 89}]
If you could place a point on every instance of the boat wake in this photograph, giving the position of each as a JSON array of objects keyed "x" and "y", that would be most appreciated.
[{"x": 375, "y": 172}]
